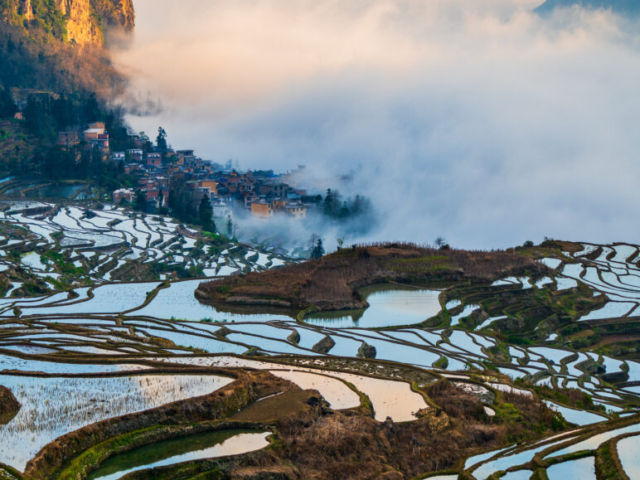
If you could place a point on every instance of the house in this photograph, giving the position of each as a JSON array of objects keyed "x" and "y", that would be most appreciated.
[
  {"x": 118, "y": 157},
  {"x": 68, "y": 139},
  {"x": 275, "y": 190},
  {"x": 296, "y": 210},
  {"x": 126, "y": 194},
  {"x": 102, "y": 142},
  {"x": 249, "y": 199},
  {"x": 211, "y": 184},
  {"x": 262, "y": 209},
  {"x": 154, "y": 159},
  {"x": 132, "y": 167},
  {"x": 136, "y": 141},
  {"x": 220, "y": 209},
  {"x": 135, "y": 154},
  {"x": 92, "y": 133}
]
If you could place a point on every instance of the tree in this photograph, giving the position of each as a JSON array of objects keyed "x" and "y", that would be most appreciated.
[
  {"x": 205, "y": 215},
  {"x": 141, "y": 201},
  {"x": 59, "y": 163},
  {"x": 229, "y": 227},
  {"x": 91, "y": 109},
  {"x": 7, "y": 106},
  {"x": 441, "y": 243},
  {"x": 161, "y": 142},
  {"x": 147, "y": 146},
  {"x": 331, "y": 205},
  {"x": 313, "y": 240},
  {"x": 344, "y": 211},
  {"x": 318, "y": 250}
]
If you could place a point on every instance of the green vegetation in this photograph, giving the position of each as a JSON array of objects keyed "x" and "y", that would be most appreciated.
[
  {"x": 442, "y": 363},
  {"x": 607, "y": 462}
]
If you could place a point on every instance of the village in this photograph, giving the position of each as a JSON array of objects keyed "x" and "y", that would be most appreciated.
[{"x": 260, "y": 194}]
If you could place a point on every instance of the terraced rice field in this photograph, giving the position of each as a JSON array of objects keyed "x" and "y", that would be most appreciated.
[{"x": 95, "y": 345}]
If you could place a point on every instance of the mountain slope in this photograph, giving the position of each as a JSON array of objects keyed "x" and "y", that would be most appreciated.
[
  {"x": 75, "y": 21},
  {"x": 58, "y": 45},
  {"x": 620, "y": 7}
]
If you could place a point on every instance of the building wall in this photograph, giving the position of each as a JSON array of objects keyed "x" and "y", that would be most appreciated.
[
  {"x": 261, "y": 210},
  {"x": 211, "y": 184}
]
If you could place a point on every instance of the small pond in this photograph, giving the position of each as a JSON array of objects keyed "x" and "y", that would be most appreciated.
[
  {"x": 178, "y": 450},
  {"x": 389, "y": 306},
  {"x": 55, "y": 191}
]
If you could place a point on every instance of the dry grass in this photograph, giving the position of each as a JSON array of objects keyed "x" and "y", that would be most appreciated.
[{"x": 352, "y": 445}]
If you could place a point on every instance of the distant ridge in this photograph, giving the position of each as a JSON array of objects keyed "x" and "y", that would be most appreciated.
[{"x": 629, "y": 8}]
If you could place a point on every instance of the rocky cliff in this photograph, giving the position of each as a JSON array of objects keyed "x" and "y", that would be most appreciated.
[
  {"x": 57, "y": 45},
  {"x": 80, "y": 22}
]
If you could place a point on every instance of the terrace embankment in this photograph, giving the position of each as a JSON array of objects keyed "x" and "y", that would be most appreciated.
[
  {"x": 316, "y": 443},
  {"x": 9, "y": 406},
  {"x": 332, "y": 282}
]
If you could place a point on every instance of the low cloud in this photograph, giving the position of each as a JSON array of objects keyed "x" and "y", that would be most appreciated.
[{"x": 471, "y": 119}]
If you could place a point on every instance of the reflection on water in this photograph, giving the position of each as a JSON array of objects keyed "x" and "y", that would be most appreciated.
[
  {"x": 584, "y": 469},
  {"x": 178, "y": 450},
  {"x": 179, "y": 303},
  {"x": 72, "y": 403},
  {"x": 389, "y": 306},
  {"x": 628, "y": 449}
]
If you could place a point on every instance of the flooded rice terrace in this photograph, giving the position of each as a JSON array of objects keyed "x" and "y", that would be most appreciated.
[
  {"x": 99, "y": 317},
  {"x": 52, "y": 407},
  {"x": 390, "y": 306},
  {"x": 195, "y": 447}
]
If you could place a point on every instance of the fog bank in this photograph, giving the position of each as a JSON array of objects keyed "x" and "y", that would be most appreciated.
[{"x": 471, "y": 119}]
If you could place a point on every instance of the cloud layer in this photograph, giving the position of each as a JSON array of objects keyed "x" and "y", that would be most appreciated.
[{"x": 471, "y": 119}]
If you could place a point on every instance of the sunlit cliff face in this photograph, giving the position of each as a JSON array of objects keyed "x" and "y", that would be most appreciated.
[{"x": 472, "y": 119}]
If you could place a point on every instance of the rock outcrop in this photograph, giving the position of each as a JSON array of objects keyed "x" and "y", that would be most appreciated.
[
  {"x": 82, "y": 22},
  {"x": 86, "y": 19},
  {"x": 9, "y": 406}
]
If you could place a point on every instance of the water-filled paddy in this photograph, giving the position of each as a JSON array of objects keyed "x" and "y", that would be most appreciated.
[
  {"x": 22, "y": 365},
  {"x": 179, "y": 302},
  {"x": 54, "y": 191},
  {"x": 52, "y": 407},
  {"x": 628, "y": 449},
  {"x": 583, "y": 468},
  {"x": 107, "y": 299},
  {"x": 389, "y": 306},
  {"x": 519, "y": 475},
  {"x": 502, "y": 463},
  {"x": 577, "y": 417},
  {"x": 334, "y": 391},
  {"x": 390, "y": 398},
  {"x": 595, "y": 441},
  {"x": 171, "y": 452}
]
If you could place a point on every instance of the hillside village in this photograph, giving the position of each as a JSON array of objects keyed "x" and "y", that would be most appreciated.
[
  {"x": 76, "y": 156},
  {"x": 262, "y": 194}
]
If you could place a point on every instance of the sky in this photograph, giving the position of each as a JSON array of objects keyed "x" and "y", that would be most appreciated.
[{"x": 474, "y": 120}]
